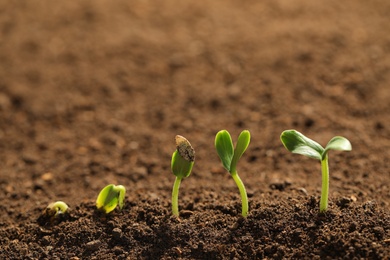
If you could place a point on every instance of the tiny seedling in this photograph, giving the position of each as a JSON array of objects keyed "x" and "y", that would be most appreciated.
[
  {"x": 230, "y": 156},
  {"x": 181, "y": 164},
  {"x": 296, "y": 142},
  {"x": 56, "y": 209},
  {"x": 109, "y": 197},
  {"x": 54, "y": 213}
]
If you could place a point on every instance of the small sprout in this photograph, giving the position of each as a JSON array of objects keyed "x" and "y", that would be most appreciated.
[
  {"x": 54, "y": 213},
  {"x": 182, "y": 162},
  {"x": 109, "y": 197},
  {"x": 230, "y": 156},
  {"x": 56, "y": 208},
  {"x": 296, "y": 142}
]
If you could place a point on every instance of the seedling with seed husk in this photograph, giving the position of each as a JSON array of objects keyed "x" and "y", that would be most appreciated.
[
  {"x": 57, "y": 208},
  {"x": 54, "y": 213},
  {"x": 296, "y": 142},
  {"x": 109, "y": 197},
  {"x": 230, "y": 156},
  {"x": 183, "y": 159}
]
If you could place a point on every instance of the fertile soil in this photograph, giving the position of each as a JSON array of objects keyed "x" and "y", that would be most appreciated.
[{"x": 94, "y": 92}]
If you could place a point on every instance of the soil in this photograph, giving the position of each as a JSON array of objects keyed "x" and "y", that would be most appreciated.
[{"x": 94, "y": 92}]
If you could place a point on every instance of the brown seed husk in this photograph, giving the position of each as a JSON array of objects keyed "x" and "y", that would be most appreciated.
[{"x": 184, "y": 148}]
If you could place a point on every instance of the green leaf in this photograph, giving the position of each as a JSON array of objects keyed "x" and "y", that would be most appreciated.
[
  {"x": 180, "y": 167},
  {"x": 296, "y": 142},
  {"x": 122, "y": 193},
  {"x": 101, "y": 199},
  {"x": 225, "y": 149},
  {"x": 109, "y": 197},
  {"x": 337, "y": 143},
  {"x": 242, "y": 144}
]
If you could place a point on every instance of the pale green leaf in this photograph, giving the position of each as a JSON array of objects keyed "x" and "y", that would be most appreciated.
[
  {"x": 122, "y": 193},
  {"x": 297, "y": 143},
  {"x": 338, "y": 143},
  {"x": 102, "y": 197},
  {"x": 109, "y": 197},
  {"x": 242, "y": 144},
  {"x": 225, "y": 149}
]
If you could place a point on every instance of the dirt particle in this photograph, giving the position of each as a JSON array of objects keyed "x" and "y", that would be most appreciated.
[
  {"x": 344, "y": 202},
  {"x": 215, "y": 103},
  {"x": 379, "y": 126},
  {"x": 46, "y": 240},
  {"x": 369, "y": 205},
  {"x": 309, "y": 122},
  {"x": 302, "y": 190},
  {"x": 305, "y": 57},
  {"x": 47, "y": 176},
  {"x": 353, "y": 226},
  {"x": 30, "y": 159},
  {"x": 117, "y": 233},
  {"x": 178, "y": 251},
  {"x": 379, "y": 232},
  {"x": 279, "y": 185},
  {"x": 186, "y": 213},
  {"x": 93, "y": 245},
  {"x": 118, "y": 250}
]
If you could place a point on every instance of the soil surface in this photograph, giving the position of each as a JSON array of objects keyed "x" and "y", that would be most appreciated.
[{"x": 94, "y": 92}]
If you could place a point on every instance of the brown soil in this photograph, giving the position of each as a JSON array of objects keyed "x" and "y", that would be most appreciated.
[{"x": 94, "y": 92}]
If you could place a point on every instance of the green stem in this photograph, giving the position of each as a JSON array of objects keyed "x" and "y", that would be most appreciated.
[
  {"x": 325, "y": 185},
  {"x": 244, "y": 197},
  {"x": 175, "y": 197}
]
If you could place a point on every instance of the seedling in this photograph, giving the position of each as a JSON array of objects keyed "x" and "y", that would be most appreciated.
[
  {"x": 182, "y": 162},
  {"x": 230, "y": 156},
  {"x": 109, "y": 197},
  {"x": 296, "y": 142},
  {"x": 54, "y": 213},
  {"x": 56, "y": 209}
]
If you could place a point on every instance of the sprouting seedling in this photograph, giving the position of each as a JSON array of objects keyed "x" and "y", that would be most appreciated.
[
  {"x": 56, "y": 209},
  {"x": 109, "y": 197},
  {"x": 230, "y": 156},
  {"x": 182, "y": 162},
  {"x": 54, "y": 213},
  {"x": 296, "y": 142}
]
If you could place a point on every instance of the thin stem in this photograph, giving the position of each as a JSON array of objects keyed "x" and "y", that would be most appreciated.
[
  {"x": 325, "y": 185},
  {"x": 175, "y": 197},
  {"x": 244, "y": 197}
]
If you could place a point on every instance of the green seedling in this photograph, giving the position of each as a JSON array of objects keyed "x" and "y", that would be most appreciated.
[
  {"x": 109, "y": 197},
  {"x": 183, "y": 159},
  {"x": 54, "y": 213},
  {"x": 56, "y": 209},
  {"x": 230, "y": 156},
  {"x": 296, "y": 142}
]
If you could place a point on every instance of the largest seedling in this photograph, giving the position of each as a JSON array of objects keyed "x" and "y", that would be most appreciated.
[{"x": 296, "y": 142}]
